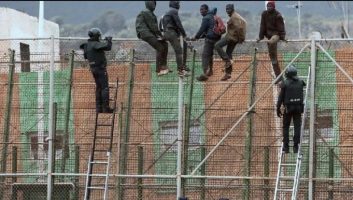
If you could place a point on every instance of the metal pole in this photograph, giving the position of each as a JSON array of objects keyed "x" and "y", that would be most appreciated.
[
  {"x": 312, "y": 118},
  {"x": 180, "y": 130},
  {"x": 124, "y": 138},
  {"x": 67, "y": 113},
  {"x": 180, "y": 135},
  {"x": 7, "y": 118},
  {"x": 14, "y": 170},
  {"x": 77, "y": 170},
  {"x": 299, "y": 21},
  {"x": 266, "y": 172},
  {"x": 250, "y": 122},
  {"x": 51, "y": 121},
  {"x": 331, "y": 172},
  {"x": 140, "y": 172}
]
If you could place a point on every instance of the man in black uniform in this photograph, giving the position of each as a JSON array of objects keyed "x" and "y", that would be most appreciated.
[
  {"x": 173, "y": 29},
  {"x": 291, "y": 96},
  {"x": 94, "y": 52}
]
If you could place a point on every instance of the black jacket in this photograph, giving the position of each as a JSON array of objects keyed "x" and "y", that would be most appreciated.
[
  {"x": 146, "y": 24},
  {"x": 171, "y": 21},
  {"x": 206, "y": 29},
  {"x": 94, "y": 52},
  {"x": 272, "y": 24},
  {"x": 291, "y": 94}
]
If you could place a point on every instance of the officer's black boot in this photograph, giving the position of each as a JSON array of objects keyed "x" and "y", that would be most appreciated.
[{"x": 285, "y": 148}]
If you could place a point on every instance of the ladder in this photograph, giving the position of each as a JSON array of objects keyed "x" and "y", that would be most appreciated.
[
  {"x": 288, "y": 185},
  {"x": 99, "y": 160}
]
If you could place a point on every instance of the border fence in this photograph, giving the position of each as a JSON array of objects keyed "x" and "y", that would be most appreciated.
[{"x": 231, "y": 136}]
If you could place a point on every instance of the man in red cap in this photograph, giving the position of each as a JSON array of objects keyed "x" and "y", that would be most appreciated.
[{"x": 272, "y": 27}]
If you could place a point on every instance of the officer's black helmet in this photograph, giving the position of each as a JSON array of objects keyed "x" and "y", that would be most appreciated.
[
  {"x": 291, "y": 72},
  {"x": 94, "y": 33}
]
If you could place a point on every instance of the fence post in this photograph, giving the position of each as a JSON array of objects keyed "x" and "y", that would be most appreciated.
[
  {"x": 124, "y": 138},
  {"x": 140, "y": 172},
  {"x": 67, "y": 114},
  {"x": 203, "y": 173},
  {"x": 331, "y": 173},
  {"x": 7, "y": 119},
  {"x": 77, "y": 170},
  {"x": 14, "y": 170},
  {"x": 52, "y": 107},
  {"x": 250, "y": 121},
  {"x": 266, "y": 172},
  {"x": 312, "y": 120}
]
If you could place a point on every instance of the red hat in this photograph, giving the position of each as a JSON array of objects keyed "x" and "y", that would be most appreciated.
[{"x": 272, "y": 3}]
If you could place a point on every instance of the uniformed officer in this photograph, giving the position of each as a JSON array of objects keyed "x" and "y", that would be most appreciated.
[
  {"x": 291, "y": 96},
  {"x": 94, "y": 52}
]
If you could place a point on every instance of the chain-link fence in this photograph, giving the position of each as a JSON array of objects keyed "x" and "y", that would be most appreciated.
[{"x": 231, "y": 134}]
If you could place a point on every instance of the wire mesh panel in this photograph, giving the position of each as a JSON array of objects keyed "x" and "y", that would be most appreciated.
[{"x": 231, "y": 134}]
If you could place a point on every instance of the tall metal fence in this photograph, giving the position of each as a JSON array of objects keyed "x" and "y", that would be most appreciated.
[{"x": 231, "y": 136}]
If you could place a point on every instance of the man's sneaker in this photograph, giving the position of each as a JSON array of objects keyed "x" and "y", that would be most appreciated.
[
  {"x": 163, "y": 72},
  {"x": 228, "y": 64},
  {"x": 183, "y": 73},
  {"x": 226, "y": 77},
  {"x": 295, "y": 148},
  {"x": 285, "y": 149},
  {"x": 187, "y": 69},
  {"x": 202, "y": 78}
]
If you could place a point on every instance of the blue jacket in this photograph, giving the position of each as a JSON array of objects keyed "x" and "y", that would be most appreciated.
[{"x": 207, "y": 25}]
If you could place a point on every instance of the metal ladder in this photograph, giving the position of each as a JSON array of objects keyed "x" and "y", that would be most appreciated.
[
  {"x": 282, "y": 164},
  {"x": 98, "y": 163}
]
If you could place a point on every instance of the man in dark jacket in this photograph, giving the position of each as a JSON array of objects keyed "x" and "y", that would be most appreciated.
[
  {"x": 173, "y": 29},
  {"x": 272, "y": 27},
  {"x": 147, "y": 30},
  {"x": 236, "y": 31},
  {"x": 206, "y": 31},
  {"x": 291, "y": 96},
  {"x": 94, "y": 52}
]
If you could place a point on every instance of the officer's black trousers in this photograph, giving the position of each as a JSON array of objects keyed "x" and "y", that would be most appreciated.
[
  {"x": 100, "y": 76},
  {"x": 287, "y": 117}
]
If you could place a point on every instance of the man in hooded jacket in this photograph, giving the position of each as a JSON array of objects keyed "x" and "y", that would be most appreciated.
[
  {"x": 236, "y": 31},
  {"x": 206, "y": 31},
  {"x": 147, "y": 30},
  {"x": 272, "y": 27},
  {"x": 291, "y": 96},
  {"x": 173, "y": 29}
]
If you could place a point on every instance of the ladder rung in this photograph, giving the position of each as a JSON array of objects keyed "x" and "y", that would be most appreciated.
[
  {"x": 97, "y": 175},
  {"x": 288, "y": 164},
  {"x": 103, "y": 137},
  {"x": 287, "y": 177},
  {"x": 99, "y": 162},
  {"x": 101, "y": 150},
  {"x": 285, "y": 190},
  {"x": 96, "y": 188},
  {"x": 104, "y": 124}
]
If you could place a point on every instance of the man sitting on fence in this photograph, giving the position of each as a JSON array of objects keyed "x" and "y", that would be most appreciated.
[{"x": 148, "y": 31}]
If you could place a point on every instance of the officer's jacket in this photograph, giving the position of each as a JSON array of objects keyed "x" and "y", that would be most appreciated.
[
  {"x": 94, "y": 52},
  {"x": 171, "y": 21},
  {"x": 272, "y": 24},
  {"x": 291, "y": 92}
]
